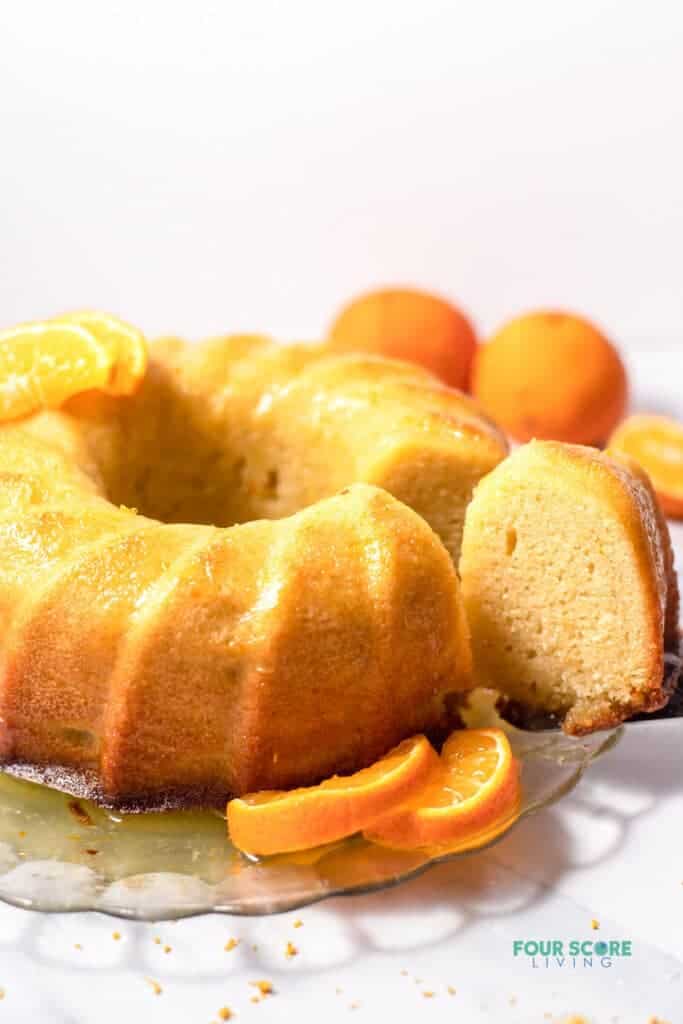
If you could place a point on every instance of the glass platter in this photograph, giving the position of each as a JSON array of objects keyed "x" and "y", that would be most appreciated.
[{"x": 62, "y": 854}]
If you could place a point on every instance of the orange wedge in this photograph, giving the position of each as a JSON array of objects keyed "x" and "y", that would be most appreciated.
[
  {"x": 126, "y": 343},
  {"x": 43, "y": 364},
  {"x": 656, "y": 444},
  {"x": 476, "y": 788},
  {"x": 280, "y": 822}
]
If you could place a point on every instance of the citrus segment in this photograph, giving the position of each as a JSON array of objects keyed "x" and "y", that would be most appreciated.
[
  {"x": 279, "y": 822},
  {"x": 477, "y": 785},
  {"x": 126, "y": 344},
  {"x": 43, "y": 364},
  {"x": 656, "y": 444}
]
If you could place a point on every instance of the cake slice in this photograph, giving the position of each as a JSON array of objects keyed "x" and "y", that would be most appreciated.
[{"x": 569, "y": 588}]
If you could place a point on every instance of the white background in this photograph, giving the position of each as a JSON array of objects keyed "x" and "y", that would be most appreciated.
[
  {"x": 205, "y": 167},
  {"x": 212, "y": 166}
]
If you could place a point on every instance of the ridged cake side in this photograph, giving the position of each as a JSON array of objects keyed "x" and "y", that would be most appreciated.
[{"x": 185, "y": 658}]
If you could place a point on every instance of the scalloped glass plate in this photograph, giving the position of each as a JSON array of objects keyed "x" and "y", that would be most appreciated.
[{"x": 62, "y": 854}]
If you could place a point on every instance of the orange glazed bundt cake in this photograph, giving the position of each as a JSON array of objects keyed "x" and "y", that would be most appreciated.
[
  {"x": 568, "y": 582},
  {"x": 170, "y": 653},
  {"x": 236, "y": 429}
]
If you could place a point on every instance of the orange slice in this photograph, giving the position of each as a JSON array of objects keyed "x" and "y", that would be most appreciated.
[
  {"x": 126, "y": 343},
  {"x": 656, "y": 443},
  {"x": 280, "y": 822},
  {"x": 477, "y": 787},
  {"x": 43, "y": 364}
]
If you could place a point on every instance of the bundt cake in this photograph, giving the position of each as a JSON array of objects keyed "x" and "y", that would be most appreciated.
[
  {"x": 236, "y": 429},
  {"x": 249, "y": 627},
  {"x": 568, "y": 582}
]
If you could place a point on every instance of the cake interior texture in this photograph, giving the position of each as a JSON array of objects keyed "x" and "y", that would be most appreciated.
[{"x": 568, "y": 585}]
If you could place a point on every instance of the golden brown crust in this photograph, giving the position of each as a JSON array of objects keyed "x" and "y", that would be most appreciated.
[
  {"x": 582, "y": 719},
  {"x": 260, "y": 656},
  {"x": 599, "y": 715},
  {"x": 221, "y": 660},
  {"x": 672, "y": 610}
]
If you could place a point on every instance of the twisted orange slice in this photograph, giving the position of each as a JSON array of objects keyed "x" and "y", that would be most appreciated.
[
  {"x": 43, "y": 364},
  {"x": 126, "y": 344},
  {"x": 476, "y": 788},
  {"x": 280, "y": 822},
  {"x": 656, "y": 444}
]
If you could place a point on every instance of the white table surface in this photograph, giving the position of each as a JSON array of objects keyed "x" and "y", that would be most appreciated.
[{"x": 610, "y": 851}]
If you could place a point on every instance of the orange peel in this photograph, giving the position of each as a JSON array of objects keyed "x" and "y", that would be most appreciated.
[
  {"x": 126, "y": 344},
  {"x": 404, "y": 323},
  {"x": 43, "y": 364},
  {"x": 553, "y": 376},
  {"x": 476, "y": 789},
  {"x": 273, "y": 822},
  {"x": 656, "y": 444}
]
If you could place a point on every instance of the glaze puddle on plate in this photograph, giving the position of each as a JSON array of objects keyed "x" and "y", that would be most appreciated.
[{"x": 61, "y": 853}]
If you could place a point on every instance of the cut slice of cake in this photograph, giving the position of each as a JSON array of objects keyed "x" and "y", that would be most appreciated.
[{"x": 569, "y": 587}]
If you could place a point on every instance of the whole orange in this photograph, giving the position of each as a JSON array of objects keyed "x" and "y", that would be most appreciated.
[
  {"x": 405, "y": 323},
  {"x": 553, "y": 376}
]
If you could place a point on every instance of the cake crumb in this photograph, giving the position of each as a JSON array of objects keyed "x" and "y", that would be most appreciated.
[
  {"x": 77, "y": 945},
  {"x": 231, "y": 944},
  {"x": 116, "y": 936},
  {"x": 291, "y": 950},
  {"x": 80, "y": 814},
  {"x": 595, "y": 925},
  {"x": 155, "y": 986},
  {"x": 451, "y": 991},
  {"x": 354, "y": 1006},
  {"x": 167, "y": 949},
  {"x": 657, "y": 1020},
  {"x": 22, "y": 834},
  {"x": 298, "y": 923},
  {"x": 255, "y": 999},
  {"x": 2, "y": 993},
  {"x": 264, "y": 987},
  {"x": 157, "y": 940},
  {"x": 225, "y": 1013},
  {"x": 428, "y": 994}
]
